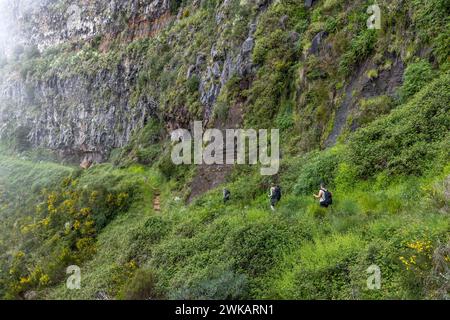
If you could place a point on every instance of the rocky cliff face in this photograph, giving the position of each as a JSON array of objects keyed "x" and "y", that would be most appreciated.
[
  {"x": 81, "y": 77},
  {"x": 87, "y": 109},
  {"x": 76, "y": 114},
  {"x": 47, "y": 23}
]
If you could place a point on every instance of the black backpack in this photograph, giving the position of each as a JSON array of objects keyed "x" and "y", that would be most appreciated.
[
  {"x": 328, "y": 197},
  {"x": 277, "y": 193},
  {"x": 226, "y": 195}
]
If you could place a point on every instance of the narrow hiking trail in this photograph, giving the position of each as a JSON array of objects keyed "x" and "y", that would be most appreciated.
[
  {"x": 152, "y": 198},
  {"x": 157, "y": 203},
  {"x": 386, "y": 83},
  {"x": 211, "y": 176}
]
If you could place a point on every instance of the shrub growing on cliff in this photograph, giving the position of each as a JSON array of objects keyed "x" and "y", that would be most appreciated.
[
  {"x": 416, "y": 76},
  {"x": 371, "y": 108},
  {"x": 360, "y": 47},
  {"x": 431, "y": 21},
  {"x": 406, "y": 142},
  {"x": 193, "y": 83}
]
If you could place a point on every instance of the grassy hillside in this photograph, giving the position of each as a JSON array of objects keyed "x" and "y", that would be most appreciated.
[
  {"x": 399, "y": 222},
  {"x": 389, "y": 170}
]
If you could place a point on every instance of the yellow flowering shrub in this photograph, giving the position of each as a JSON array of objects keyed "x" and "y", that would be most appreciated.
[
  {"x": 85, "y": 212},
  {"x": 110, "y": 199},
  {"x": 67, "y": 220},
  {"x": 45, "y": 222},
  {"x": 44, "y": 280},
  {"x": 93, "y": 197},
  {"x": 69, "y": 206},
  {"x": 86, "y": 246},
  {"x": 419, "y": 255},
  {"x": 122, "y": 199},
  {"x": 76, "y": 225},
  {"x": 420, "y": 246},
  {"x": 51, "y": 201}
]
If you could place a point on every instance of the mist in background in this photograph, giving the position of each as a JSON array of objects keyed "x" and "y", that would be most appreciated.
[{"x": 12, "y": 12}]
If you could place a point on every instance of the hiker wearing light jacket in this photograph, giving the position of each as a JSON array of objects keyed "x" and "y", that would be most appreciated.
[{"x": 325, "y": 197}]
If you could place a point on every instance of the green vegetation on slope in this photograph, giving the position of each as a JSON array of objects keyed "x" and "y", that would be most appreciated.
[
  {"x": 390, "y": 178},
  {"x": 399, "y": 222}
]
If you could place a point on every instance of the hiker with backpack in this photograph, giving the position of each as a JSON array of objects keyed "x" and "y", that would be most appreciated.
[
  {"x": 275, "y": 196},
  {"x": 325, "y": 197},
  {"x": 226, "y": 195}
]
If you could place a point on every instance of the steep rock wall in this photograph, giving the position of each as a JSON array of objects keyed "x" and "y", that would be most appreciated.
[
  {"x": 46, "y": 23},
  {"x": 86, "y": 109}
]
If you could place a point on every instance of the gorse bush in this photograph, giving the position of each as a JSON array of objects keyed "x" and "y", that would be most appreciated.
[
  {"x": 145, "y": 237},
  {"x": 126, "y": 223},
  {"x": 254, "y": 247},
  {"x": 218, "y": 284},
  {"x": 69, "y": 209}
]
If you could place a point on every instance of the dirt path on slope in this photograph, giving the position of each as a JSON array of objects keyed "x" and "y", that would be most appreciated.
[
  {"x": 157, "y": 203},
  {"x": 211, "y": 176}
]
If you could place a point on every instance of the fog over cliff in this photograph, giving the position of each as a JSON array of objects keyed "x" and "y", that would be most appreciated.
[
  {"x": 12, "y": 14},
  {"x": 77, "y": 86}
]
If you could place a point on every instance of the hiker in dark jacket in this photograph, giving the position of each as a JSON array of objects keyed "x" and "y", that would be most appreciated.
[
  {"x": 325, "y": 197},
  {"x": 226, "y": 195},
  {"x": 275, "y": 196}
]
